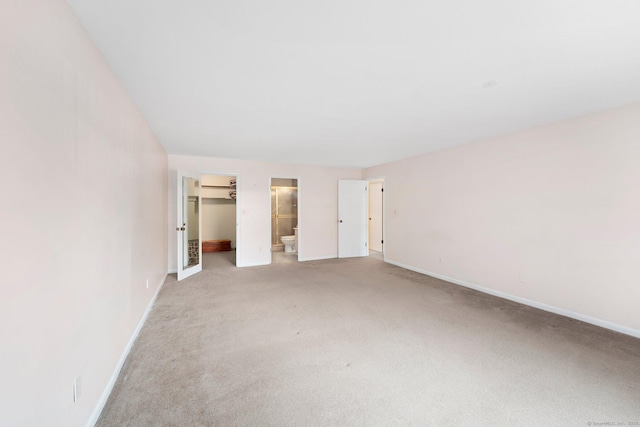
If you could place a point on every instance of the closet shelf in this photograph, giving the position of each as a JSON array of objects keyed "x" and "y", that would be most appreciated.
[{"x": 218, "y": 186}]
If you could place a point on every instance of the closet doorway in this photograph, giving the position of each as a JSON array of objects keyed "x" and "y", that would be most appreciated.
[{"x": 219, "y": 218}]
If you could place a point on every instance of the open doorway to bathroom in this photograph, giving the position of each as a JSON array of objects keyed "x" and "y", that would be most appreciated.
[
  {"x": 218, "y": 220},
  {"x": 284, "y": 219}
]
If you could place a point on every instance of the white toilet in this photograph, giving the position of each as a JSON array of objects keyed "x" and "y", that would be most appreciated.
[{"x": 289, "y": 243}]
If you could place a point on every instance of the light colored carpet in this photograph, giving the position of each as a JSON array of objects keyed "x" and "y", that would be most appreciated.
[{"x": 361, "y": 342}]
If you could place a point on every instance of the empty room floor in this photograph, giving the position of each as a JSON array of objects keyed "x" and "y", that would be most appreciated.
[{"x": 361, "y": 342}]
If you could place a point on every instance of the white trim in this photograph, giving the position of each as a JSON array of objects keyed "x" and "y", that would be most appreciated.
[
  {"x": 252, "y": 265},
  {"x": 172, "y": 271},
  {"x": 562, "y": 312},
  {"x": 318, "y": 258},
  {"x": 97, "y": 410}
]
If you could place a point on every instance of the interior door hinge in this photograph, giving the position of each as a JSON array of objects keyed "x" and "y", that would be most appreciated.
[
  {"x": 381, "y": 241},
  {"x": 382, "y": 189}
]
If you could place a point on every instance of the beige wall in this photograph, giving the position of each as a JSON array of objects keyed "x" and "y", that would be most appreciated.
[
  {"x": 549, "y": 215},
  {"x": 83, "y": 219},
  {"x": 317, "y": 214}
]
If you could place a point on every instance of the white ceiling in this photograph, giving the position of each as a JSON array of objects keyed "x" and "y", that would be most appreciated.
[{"x": 361, "y": 82}]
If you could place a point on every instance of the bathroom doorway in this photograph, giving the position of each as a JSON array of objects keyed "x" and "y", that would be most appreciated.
[{"x": 284, "y": 218}]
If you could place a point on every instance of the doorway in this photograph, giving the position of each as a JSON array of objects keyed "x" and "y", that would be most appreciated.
[
  {"x": 376, "y": 216},
  {"x": 219, "y": 217},
  {"x": 284, "y": 217}
]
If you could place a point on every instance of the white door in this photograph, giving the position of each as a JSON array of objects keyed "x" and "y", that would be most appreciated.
[
  {"x": 189, "y": 227},
  {"x": 375, "y": 215},
  {"x": 353, "y": 199}
]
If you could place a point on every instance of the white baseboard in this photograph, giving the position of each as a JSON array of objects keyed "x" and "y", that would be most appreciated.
[
  {"x": 587, "y": 319},
  {"x": 172, "y": 271},
  {"x": 123, "y": 357},
  {"x": 318, "y": 258},
  {"x": 253, "y": 264}
]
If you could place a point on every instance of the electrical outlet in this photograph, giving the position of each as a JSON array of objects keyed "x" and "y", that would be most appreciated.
[
  {"x": 441, "y": 260},
  {"x": 147, "y": 283},
  {"x": 77, "y": 389}
]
